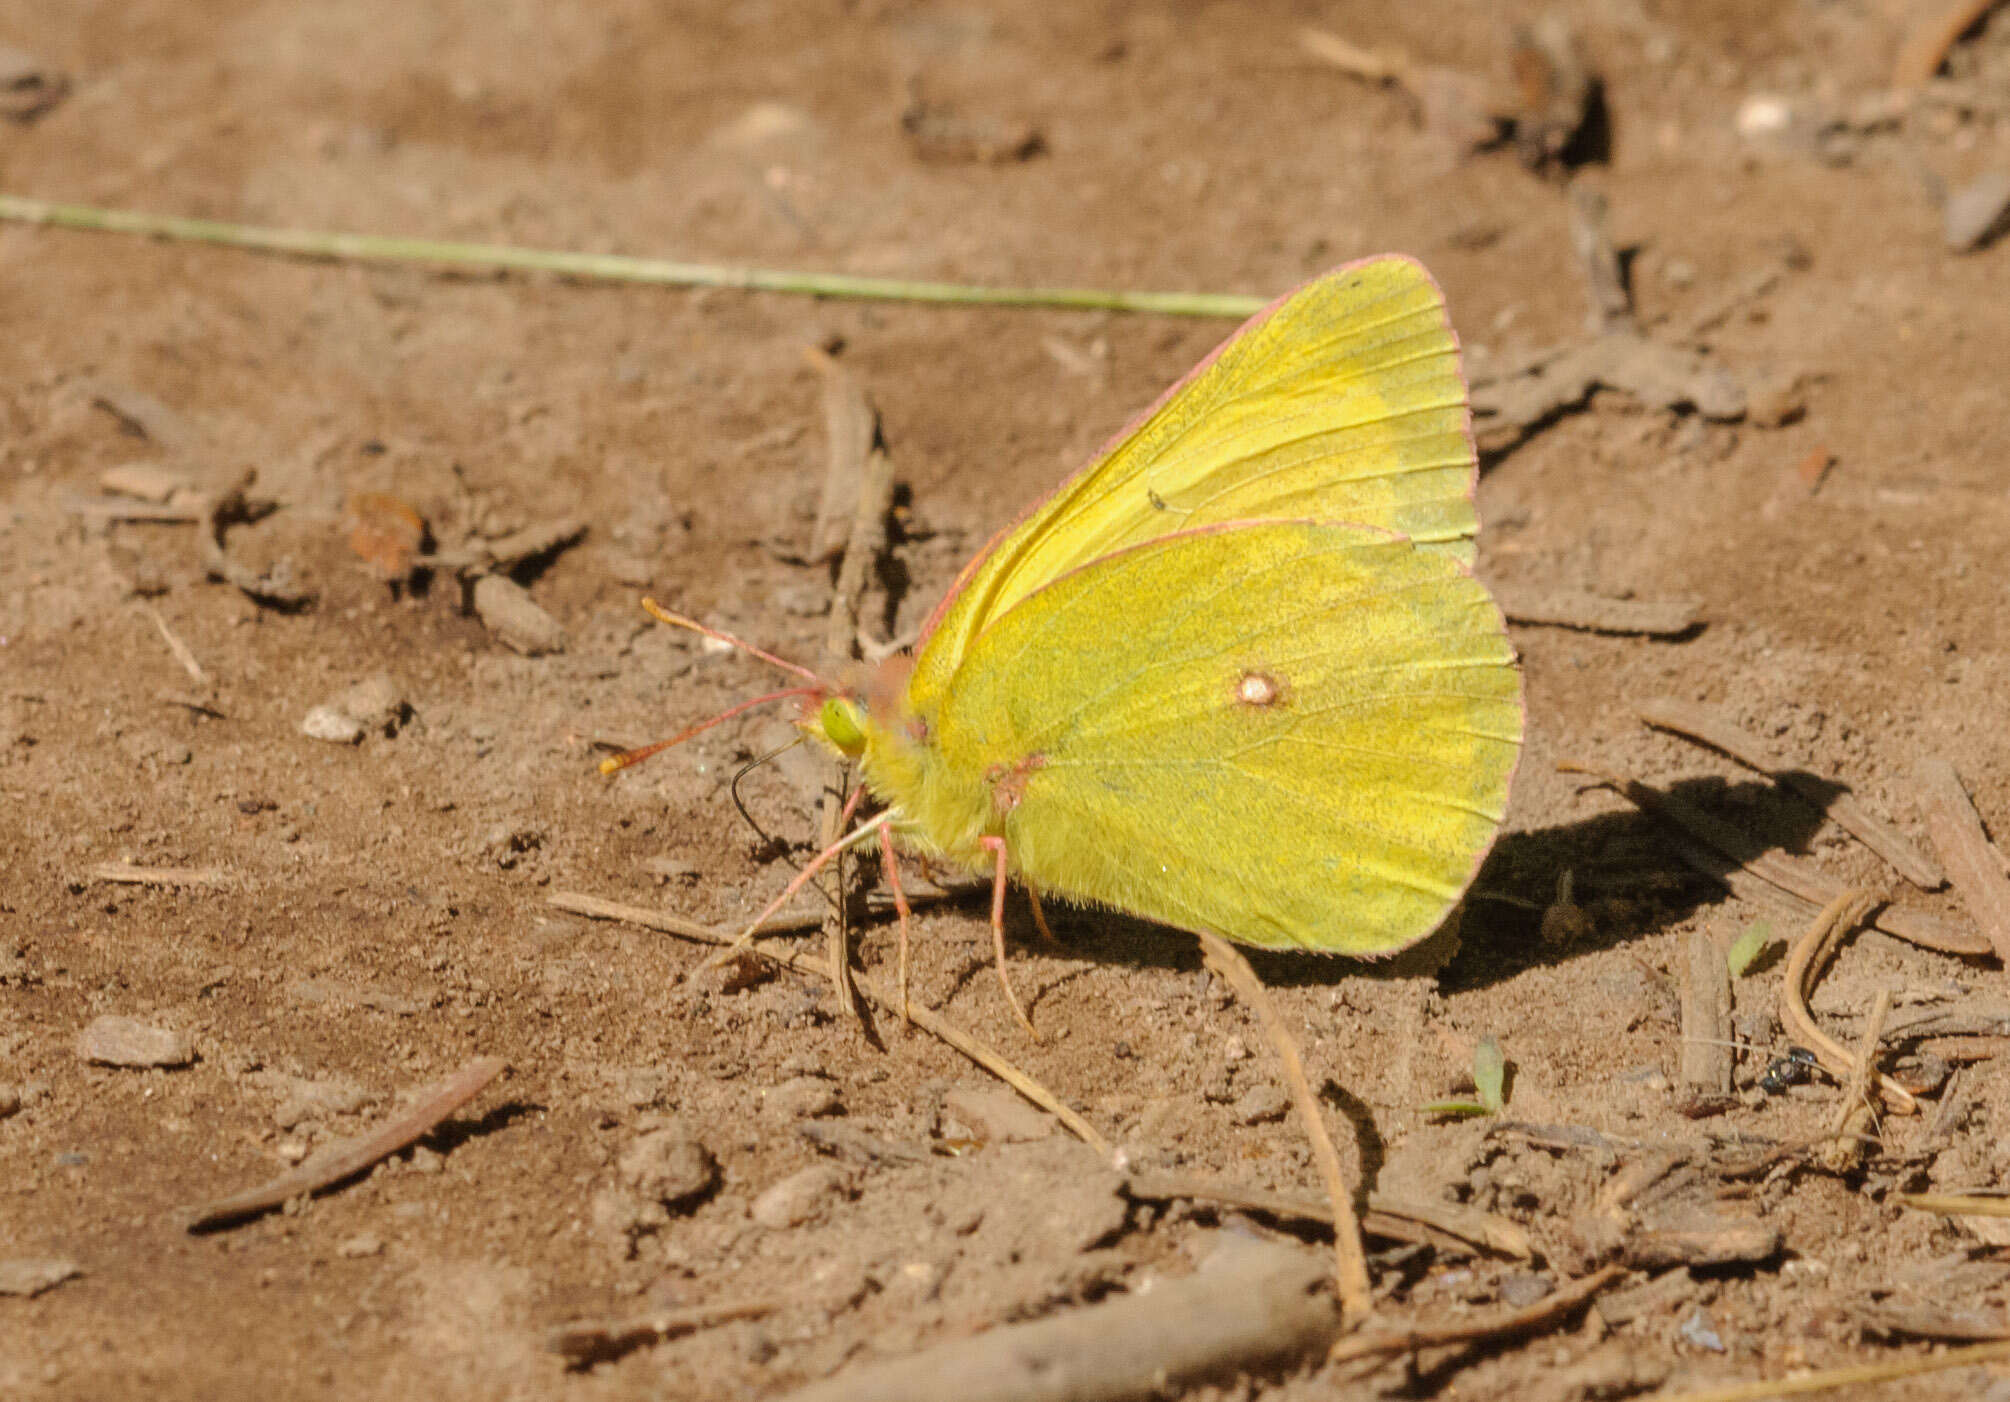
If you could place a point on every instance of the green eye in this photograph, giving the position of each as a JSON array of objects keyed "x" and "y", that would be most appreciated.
[{"x": 840, "y": 726}]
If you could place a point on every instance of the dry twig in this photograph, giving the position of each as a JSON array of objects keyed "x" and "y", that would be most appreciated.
[
  {"x": 1350, "y": 1262},
  {"x": 1552, "y": 1309},
  {"x": 179, "y": 648},
  {"x": 1716, "y": 730},
  {"x": 1926, "y": 44},
  {"x": 591, "y": 1341},
  {"x": 348, "y": 1157},
  {"x": 1594, "y": 613},
  {"x": 1390, "y": 1217},
  {"x": 1807, "y": 885}
]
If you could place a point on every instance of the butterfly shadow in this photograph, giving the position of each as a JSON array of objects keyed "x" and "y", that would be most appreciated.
[{"x": 1630, "y": 873}]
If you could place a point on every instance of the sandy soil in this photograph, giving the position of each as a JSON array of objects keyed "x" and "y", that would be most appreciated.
[{"x": 377, "y": 913}]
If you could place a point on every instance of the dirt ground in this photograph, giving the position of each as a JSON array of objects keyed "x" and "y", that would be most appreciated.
[{"x": 365, "y": 918}]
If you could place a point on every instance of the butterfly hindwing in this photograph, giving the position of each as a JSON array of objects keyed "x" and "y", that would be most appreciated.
[{"x": 1293, "y": 734}]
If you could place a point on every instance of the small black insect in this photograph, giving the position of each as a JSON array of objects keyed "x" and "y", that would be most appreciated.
[{"x": 1796, "y": 1068}]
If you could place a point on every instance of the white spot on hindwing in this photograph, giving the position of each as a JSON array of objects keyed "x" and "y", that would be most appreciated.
[{"x": 1255, "y": 688}]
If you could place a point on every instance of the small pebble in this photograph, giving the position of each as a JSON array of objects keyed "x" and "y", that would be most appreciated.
[
  {"x": 1763, "y": 115},
  {"x": 804, "y": 1098},
  {"x": 357, "y": 1247},
  {"x": 1520, "y": 1290},
  {"x": 125, "y": 1041},
  {"x": 10, "y": 1101},
  {"x": 1699, "y": 1330},
  {"x": 1260, "y": 1104},
  {"x": 1975, "y": 214},
  {"x": 800, "y": 1197},
  {"x": 508, "y": 611},
  {"x": 30, "y": 1275},
  {"x": 668, "y": 1166},
  {"x": 374, "y": 704}
]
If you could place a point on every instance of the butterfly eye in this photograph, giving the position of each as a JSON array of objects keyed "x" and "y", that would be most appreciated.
[{"x": 841, "y": 726}]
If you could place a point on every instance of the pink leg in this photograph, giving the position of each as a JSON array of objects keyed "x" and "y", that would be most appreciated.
[
  {"x": 892, "y": 865},
  {"x": 997, "y": 845}
]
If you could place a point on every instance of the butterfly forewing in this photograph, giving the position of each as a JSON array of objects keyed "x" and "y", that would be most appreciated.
[{"x": 1342, "y": 403}]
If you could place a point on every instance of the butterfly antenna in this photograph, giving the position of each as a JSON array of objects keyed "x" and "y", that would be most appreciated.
[
  {"x": 615, "y": 763},
  {"x": 678, "y": 620},
  {"x": 746, "y": 814}
]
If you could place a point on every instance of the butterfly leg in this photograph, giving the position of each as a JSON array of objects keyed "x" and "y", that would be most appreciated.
[
  {"x": 818, "y": 863},
  {"x": 892, "y": 865},
  {"x": 1040, "y": 917},
  {"x": 997, "y": 845}
]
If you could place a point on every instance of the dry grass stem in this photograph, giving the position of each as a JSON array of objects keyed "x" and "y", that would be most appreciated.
[
  {"x": 128, "y": 874},
  {"x": 1351, "y": 1263},
  {"x": 1805, "y": 961},
  {"x": 1956, "y": 1205},
  {"x": 1861, "y": 1375}
]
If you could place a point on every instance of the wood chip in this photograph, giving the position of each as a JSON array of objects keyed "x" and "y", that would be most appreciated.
[
  {"x": 507, "y": 610},
  {"x": 148, "y": 481},
  {"x": 1973, "y": 864},
  {"x": 111, "y": 1040},
  {"x": 1594, "y": 613},
  {"x": 1702, "y": 1239},
  {"x": 1707, "y": 1045},
  {"x": 1831, "y": 796}
]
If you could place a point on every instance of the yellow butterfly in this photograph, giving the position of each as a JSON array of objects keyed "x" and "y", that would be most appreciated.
[{"x": 1235, "y": 674}]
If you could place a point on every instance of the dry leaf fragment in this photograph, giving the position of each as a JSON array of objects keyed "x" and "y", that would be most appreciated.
[{"x": 386, "y": 532}]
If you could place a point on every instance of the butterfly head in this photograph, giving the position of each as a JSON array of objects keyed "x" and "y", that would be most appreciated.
[{"x": 870, "y": 719}]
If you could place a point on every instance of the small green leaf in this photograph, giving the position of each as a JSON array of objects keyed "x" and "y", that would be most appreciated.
[
  {"x": 1490, "y": 1075},
  {"x": 1456, "y": 1107},
  {"x": 1749, "y": 946}
]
